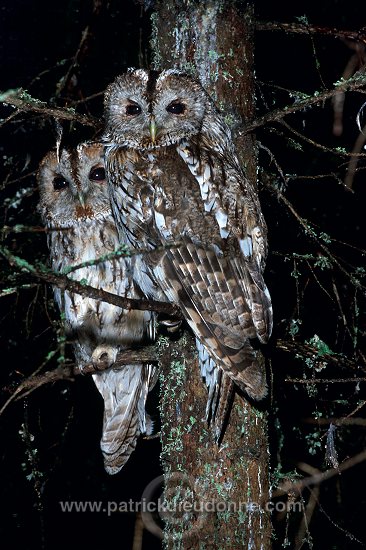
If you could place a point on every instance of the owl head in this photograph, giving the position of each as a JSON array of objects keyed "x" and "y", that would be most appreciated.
[
  {"x": 72, "y": 186},
  {"x": 146, "y": 109}
]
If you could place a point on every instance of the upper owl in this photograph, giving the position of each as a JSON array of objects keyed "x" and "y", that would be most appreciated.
[
  {"x": 147, "y": 109},
  {"x": 175, "y": 179},
  {"x": 72, "y": 187}
]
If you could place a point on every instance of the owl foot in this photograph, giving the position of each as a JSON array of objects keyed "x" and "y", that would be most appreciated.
[
  {"x": 170, "y": 324},
  {"x": 104, "y": 354},
  {"x": 149, "y": 425}
]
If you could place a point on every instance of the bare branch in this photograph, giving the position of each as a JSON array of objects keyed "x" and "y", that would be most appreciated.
[
  {"x": 82, "y": 50},
  {"x": 356, "y": 153},
  {"x": 296, "y": 28},
  {"x": 309, "y": 231},
  {"x": 341, "y": 421},
  {"x": 62, "y": 281},
  {"x": 148, "y": 354},
  {"x": 20, "y": 99},
  {"x": 306, "y": 350}
]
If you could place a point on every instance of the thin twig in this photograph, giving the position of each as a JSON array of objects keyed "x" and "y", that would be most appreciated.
[
  {"x": 356, "y": 82},
  {"x": 82, "y": 50},
  {"x": 355, "y": 155},
  {"x": 298, "y": 486},
  {"x": 340, "y": 421},
  {"x": 308, "y": 230},
  {"x": 324, "y": 380}
]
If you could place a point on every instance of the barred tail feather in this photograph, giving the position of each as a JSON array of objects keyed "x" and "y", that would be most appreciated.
[
  {"x": 224, "y": 405},
  {"x": 220, "y": 391},
  {"x": 124, "y": 392}
]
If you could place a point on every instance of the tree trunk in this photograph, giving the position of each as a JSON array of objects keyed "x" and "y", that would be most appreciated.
[{"x": 223, "y": 488}]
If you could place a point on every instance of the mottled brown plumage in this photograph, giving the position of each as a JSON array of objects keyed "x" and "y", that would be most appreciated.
[
  {"x": 74, "y": 203},
  {"x": 175, "y": 180}
]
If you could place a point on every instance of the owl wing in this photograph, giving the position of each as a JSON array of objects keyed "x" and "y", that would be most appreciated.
[
  {"x": 215, "y": 273},
  {"x": 227, "y": 196},
  {"x": 178, "y": 200},
  {"x": 199, "y": 282}
]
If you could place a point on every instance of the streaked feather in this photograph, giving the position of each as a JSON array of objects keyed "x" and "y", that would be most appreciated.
[{"x": 124, "y": 392}]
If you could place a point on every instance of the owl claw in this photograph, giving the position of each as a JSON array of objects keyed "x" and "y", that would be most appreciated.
[
  {"x": 104, "y": 354},
  {"x": 171, "y": 325}
]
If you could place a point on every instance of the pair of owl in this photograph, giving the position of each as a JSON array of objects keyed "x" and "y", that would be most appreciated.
[{"x": 165, "y": 180}]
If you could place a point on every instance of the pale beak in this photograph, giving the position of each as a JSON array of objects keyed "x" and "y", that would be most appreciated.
[
  {"x": 81, "y": 199},
  {"x": 152, "y": 128}
]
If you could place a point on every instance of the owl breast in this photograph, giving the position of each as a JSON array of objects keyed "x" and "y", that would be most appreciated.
[
  {"x": 92, "y": 320},
  {"x": 168, "y": 195}
]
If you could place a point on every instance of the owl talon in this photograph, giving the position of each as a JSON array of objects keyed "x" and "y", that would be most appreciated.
[
  {"x": 104, "y": 354},
  {"x": 172, "y": 326}
]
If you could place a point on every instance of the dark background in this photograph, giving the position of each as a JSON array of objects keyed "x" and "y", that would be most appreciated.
[{"x": 50, "y": 441}]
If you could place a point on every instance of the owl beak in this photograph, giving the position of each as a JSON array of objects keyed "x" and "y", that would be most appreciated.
[
  {"x": 152, "y": 128},
  {"x": 81, "y": 199}
]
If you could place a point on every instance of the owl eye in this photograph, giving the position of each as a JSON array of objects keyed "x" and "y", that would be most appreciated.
[
  {"x": 176, "y": 108},
  {"x": 133, "y": 109},
  {"x": 60, "y": 183},
  {"x": 97, "y": 174}
]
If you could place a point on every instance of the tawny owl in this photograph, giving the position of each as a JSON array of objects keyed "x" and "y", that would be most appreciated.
[
  {"x": 176, "y": 182},
  {"x": 74, "y": 205}
]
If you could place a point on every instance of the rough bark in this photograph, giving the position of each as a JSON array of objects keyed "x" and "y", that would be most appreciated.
[{"x": 213, "y": 40}]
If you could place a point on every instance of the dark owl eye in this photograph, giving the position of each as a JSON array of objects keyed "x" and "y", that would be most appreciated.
[
  {"x": 97, "y": 174},
  {"x": 60, "y": 183},
  {"x": 176, "y": 108},
  {"x": 133, "y": 109}
]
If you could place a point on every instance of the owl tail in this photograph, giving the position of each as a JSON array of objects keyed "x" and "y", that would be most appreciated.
[
  {"x": 220, "y": 392},
  {"x": 124, "y": 392}
]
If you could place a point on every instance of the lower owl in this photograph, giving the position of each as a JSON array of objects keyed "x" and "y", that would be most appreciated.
[{"x": 74, "y": 206}]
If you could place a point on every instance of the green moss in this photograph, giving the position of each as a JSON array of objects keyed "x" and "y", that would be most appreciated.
[
  {"x": 154, "y": 42},
  {"x": 321, "y": 347},
  {"x": 294, "y": 326},
  {"x": 10, "y": 93}
]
